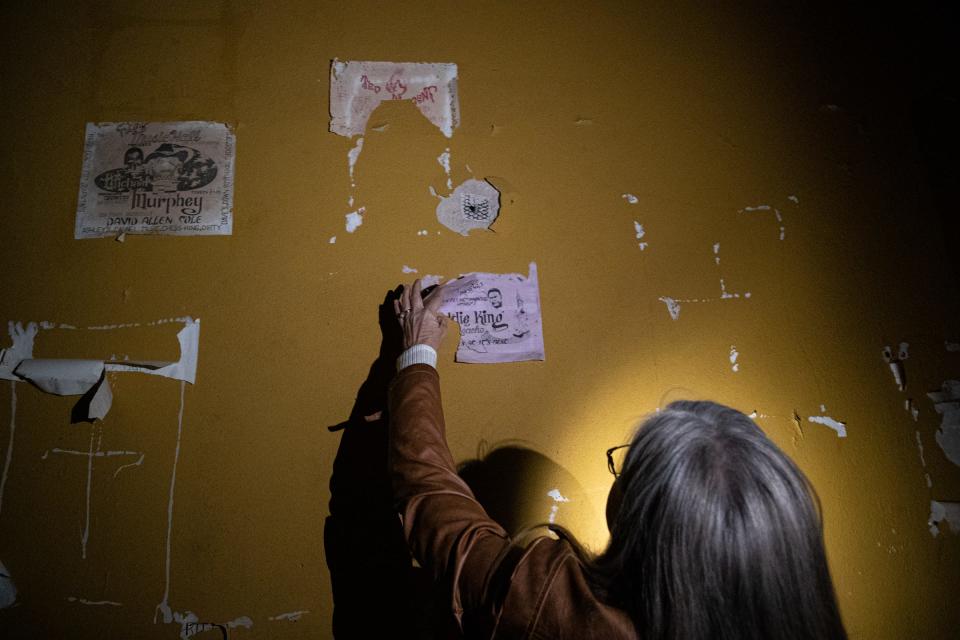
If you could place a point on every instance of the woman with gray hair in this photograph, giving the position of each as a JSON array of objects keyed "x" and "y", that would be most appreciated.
[{"x": 715, "y": 533}]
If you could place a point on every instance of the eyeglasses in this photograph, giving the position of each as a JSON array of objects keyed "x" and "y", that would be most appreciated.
[{"x": 615, "y": 457}]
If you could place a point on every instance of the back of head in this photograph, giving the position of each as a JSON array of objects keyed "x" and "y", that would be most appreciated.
[{"x": 718, "y": 534}]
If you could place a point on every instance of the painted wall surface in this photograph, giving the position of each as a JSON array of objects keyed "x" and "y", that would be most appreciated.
[{"x": 699, "y": 113}]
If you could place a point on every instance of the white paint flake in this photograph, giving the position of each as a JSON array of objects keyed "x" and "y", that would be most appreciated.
[
  {"x": 827, "y": 421},
  {"x": 557, "y": 498},
  {"x": 793, "y": 199},
  {"x": 352, "y": 157},
  {"x": 332, "y": 240},
  {"x": 946, "y": 402},
  {"x": 629, "y": 197},
  {"x": 407, "y": 269},
  {"x": 716, "y": 253},
  {"x": 423, "y": 232},
  {"x": 444, "y": 160},
  {"x": 734, "y": 354},
  {"x": 672, "y": 306},
  {"x": 354, "y": 219},
  {"x": 638, "y": 229}
]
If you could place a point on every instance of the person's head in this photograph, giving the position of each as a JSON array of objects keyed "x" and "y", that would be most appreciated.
[
  {"x": 718, "y": 533},
  {"x": 133, "y": 158},
  {"x": 495, "y": 298}
]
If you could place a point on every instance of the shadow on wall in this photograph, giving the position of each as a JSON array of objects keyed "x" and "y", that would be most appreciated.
[
  {"x": 377, "y": 589},
  {"x": 521, "y": 488}
]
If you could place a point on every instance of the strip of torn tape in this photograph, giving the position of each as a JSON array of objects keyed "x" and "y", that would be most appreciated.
[
  {"x": 87, "y": 378},
  {"x": 358, "y": 87}
]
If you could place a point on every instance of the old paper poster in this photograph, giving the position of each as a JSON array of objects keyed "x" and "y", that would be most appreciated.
[
  {"x": 171, "y": 178},
  {"x": 358, "y": 87},
  {"x": 498, "y": 314}
]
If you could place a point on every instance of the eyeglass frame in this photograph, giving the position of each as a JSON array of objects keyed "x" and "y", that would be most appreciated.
[{"x": 610, "y": 466}]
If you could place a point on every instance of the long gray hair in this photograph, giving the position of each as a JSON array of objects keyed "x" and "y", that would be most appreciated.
[{"x": 718, "y": 534}]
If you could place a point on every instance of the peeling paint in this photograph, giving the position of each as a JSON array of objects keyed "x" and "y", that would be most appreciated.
[{"x": 827, "y": 421}]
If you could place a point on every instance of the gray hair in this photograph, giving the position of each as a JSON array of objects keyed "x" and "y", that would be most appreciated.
[{"x": 718, "y": 534}]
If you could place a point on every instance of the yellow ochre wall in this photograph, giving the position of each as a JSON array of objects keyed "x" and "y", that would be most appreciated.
[{"x": 699, "y": 112}]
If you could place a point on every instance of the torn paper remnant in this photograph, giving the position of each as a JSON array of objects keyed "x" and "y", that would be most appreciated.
[
  {"x": 8, "y": 591},
  {"x": 498, "y": 314},
  {"x": 475, "y": 204},
  {"x": 948, "y": 512},
  {"x": 946, "y": 402},
  {"x": 358, "y": 87},
  {"x": 170, "y": 178},
  {"x": 20, "y": 349},
  {"x": 72, "y": 378},
  {"x": 87, "y": 378}
]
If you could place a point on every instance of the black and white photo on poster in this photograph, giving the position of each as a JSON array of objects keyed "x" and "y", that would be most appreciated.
[{"x": 172, "y": 178}]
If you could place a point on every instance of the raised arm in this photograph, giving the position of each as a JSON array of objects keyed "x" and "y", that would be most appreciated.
[{"x": 447, "y": 530}]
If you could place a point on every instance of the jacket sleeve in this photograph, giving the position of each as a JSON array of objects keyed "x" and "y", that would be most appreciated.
[{"x": 449, "y": 533}]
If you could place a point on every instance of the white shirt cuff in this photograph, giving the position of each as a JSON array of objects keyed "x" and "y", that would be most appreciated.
[{"x": 417, "y": 354}]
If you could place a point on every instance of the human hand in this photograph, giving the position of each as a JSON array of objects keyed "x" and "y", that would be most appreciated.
[{"x": 420, "y": 318}]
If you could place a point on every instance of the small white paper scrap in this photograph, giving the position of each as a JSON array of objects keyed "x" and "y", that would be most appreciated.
[
  {"x": 498, "y": 314},
  {"x": 948, "y": 512},
  {"x": 358, "y": 87},
  {"x": 169, "y": 178},
  {"x": 8, "y": 591},
  {"x": 475, "y": 204},
  {"x": 946, "y": 402}
]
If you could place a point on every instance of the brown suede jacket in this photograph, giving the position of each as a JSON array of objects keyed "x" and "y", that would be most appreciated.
[{"x": 498, "y": 588}]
